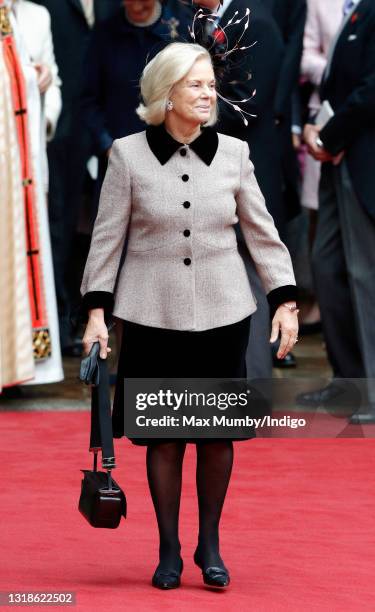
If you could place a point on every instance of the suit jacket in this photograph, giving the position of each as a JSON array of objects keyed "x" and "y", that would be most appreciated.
[
  {"x": 350, "y": 89},
  {"x": 290, "y": 16},
  {"x": 263, "y": 62},
  {"x": 39, "y": 46},
  {"x": 177, "y": 205}
]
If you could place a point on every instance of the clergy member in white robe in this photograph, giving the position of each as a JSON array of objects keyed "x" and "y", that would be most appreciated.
[
  {"x": 47, "y": 367},
  {"x": 16, "y": 347}
]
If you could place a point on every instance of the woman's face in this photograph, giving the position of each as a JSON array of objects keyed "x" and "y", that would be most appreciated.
[
  {"x": 139, "y": 11},
  {"x": 194, "y": 96}
]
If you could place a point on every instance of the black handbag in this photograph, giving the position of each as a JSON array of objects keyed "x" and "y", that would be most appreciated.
[{"x": 102, "y": 501}]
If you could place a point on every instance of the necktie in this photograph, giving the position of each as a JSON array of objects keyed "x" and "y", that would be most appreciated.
[{"x": 348, "y": 6}]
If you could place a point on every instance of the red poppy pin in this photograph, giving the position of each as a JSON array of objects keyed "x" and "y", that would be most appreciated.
[
  {"x": 219, "y": 36},
  {"x": 354, "y": 17}
]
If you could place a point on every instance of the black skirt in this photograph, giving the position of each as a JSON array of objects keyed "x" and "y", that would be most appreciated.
[{"x": 152, "y": 352}]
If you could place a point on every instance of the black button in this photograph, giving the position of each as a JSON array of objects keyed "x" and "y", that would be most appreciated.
[
  {"x": 186, "y": 204},
  {"x": 187, "y": 261},
  {"x": 185, "y": 177},
  {"x": 183, "y": 152},
  {"x": 187, "y": 233}
]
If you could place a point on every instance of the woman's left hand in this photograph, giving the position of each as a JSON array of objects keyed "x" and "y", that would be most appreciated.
[{"x": 286, "y": 322}]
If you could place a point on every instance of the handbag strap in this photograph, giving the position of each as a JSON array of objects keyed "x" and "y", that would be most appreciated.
[{"x": 101, "y": 434}]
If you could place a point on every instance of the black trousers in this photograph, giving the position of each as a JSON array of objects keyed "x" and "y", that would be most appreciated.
[
  {"x": 151, "y": 352},
  {"x": 344, "y": 274},
  {"x": 68, "y": 153}
]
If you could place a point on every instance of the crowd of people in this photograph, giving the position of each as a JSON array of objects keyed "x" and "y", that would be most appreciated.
[{"x": 306, "y": 71}]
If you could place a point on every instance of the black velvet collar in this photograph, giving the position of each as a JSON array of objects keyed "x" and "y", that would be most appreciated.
[{"x": 163, "y": 145}]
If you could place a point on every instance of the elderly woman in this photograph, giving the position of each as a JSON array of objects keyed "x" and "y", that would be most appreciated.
[{"x": 176, "y": 190}]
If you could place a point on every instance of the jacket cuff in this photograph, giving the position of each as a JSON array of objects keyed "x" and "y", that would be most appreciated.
[
  {"x": 98, "y": 299},
  {"x": 280, "y": 295}
]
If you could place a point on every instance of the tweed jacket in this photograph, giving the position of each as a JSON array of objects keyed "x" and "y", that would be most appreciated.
[{"x": 177, "y": 206}]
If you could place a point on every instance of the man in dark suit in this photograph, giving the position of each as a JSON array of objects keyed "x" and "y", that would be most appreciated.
[
  {"x": 273, "y": 62},
  {"x": 290, "y": 16},
  {"x": 344, "y": 254},
  {"x": 71, "y": 22},
  {"x": 256, "y": 68}
]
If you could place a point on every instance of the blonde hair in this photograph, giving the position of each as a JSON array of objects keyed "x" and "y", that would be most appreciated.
[{"x": 159, "y": 76}]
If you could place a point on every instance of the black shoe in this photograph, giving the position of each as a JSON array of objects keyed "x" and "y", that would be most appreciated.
[
  {"x": 337, "y": 393},
  {"x": 213, "y": 576},
  {"x": 362, "y": 418},
  {"x": 289, "y": 361},
  {"x": 167, "y": 579}
]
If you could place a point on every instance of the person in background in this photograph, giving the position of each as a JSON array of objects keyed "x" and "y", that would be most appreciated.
[
  {"x": 29, "y": 322},
  {"x": 255, "y": 69},
  {"x": 34, "y": 24},
  {"x": 16, "y": 365},
  {"x": 118, "y": 52},
  {"x": 72, "y": 22},
  {"x": 263, "y": 62},
  {"x": 322, "y": 23},
  {"x": 290, "y": 17},
  {"x": 343, "y": 253}
]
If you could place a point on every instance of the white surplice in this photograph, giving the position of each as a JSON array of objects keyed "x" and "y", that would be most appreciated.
[
  {"x": 16, "y": 349},
  {"x": 49, "y": 370}
]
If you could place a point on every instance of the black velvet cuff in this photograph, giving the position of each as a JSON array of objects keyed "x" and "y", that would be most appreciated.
[
  {"x": 280, "y": 295},
  {"x": 97, "y": 299}
]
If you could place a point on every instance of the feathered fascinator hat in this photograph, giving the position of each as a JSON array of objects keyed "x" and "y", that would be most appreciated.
[{"x": 207, "y": 32}]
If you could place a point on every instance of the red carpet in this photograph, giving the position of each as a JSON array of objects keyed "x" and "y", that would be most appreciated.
[{"x": 298, "y": 527}]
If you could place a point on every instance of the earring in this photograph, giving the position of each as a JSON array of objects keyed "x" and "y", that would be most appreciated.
[{"x": 169, "y": 105}]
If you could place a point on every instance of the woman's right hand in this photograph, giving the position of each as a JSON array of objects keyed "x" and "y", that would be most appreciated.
[{"x": 96, "y": 329}]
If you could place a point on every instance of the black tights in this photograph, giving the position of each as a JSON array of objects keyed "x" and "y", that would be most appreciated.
[{"x": 164, "y": 471}]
